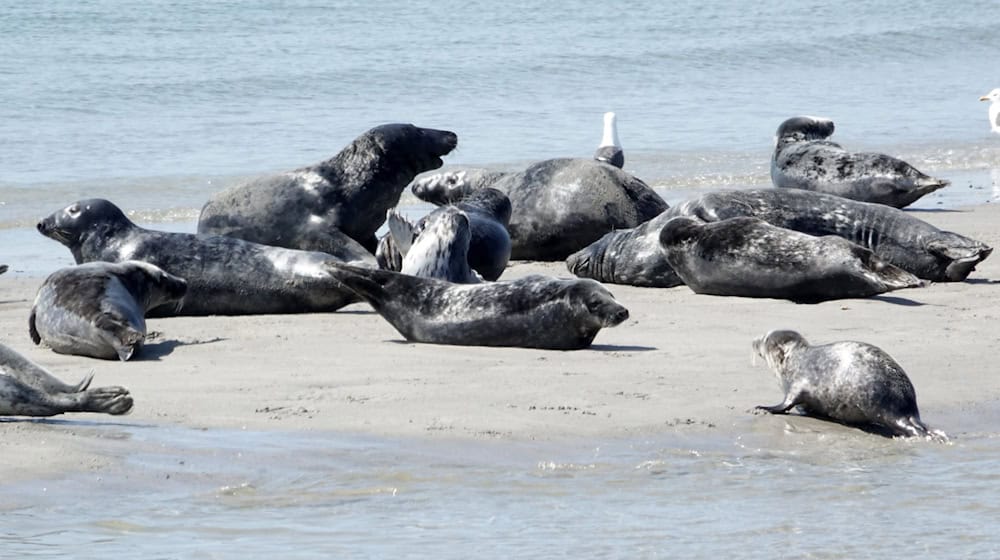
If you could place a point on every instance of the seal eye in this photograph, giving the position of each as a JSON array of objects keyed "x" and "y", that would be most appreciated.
[{"x": 73, "y": 211}]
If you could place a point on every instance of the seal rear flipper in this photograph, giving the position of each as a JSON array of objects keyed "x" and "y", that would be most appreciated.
[
  {"x": 367, "y": 283},
  {"x": 32, "y": 329},
  {"x": 912, "y": 426},
  {"x": 109, "y": 400},
  {"x": 401, "y": 230},
  {"x": 333, "y": 241}
]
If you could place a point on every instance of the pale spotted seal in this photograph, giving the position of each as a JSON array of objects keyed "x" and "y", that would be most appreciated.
[
  {"x": 441, "y": 248},
  {"x": 99, "y": 309},
  {"x": 849, "y": 382},
  {"x": 804, "y": 159}
]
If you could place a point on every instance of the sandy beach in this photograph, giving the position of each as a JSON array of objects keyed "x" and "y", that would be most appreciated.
[{"x": 681, "y": 362}]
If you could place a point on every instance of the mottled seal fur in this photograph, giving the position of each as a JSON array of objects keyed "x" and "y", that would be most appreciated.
[
  {"x": 610, "y": 151},
  {"x": 804, "y": 159},
  {"x": 751, "y": 258},
  {"x": 488, "y": 211},
  {"x": 897, "y": 237},
  {"x": 531, "y": 312},
  {"x": 27, "y": 389},
  {"x": 559, "y": 205},
  {"x": 225, "y": 276},
  {"x": 440, "y": 250},
  {"x": 849, "y": 382},
  {"x": 99, "y": 309},
  {"x": 324, "y": 206}
]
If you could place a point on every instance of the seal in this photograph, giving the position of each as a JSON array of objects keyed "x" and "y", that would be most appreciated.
[
  {"x": 98, "y": 309},
  {"x": 610, "y": 151},
  {"x": 804, "y": 159},
  {"x": 994, "y": 112},
  {"x": 751, "y": 258},
  {"x": 3, "y": 268},
  {"x": 225, "y": 275},
  {"x": 559, "y": 205},
  {"x": 530, "y": 312},
  {"x": 897, "y": 237},
  {"x": 323, "y": 207},
  {"x": 440, "y": 250},
  {"x": 852, "y": 383},
  {"x": 27, "y": 389},
  {"x": 488, "y": 211}
]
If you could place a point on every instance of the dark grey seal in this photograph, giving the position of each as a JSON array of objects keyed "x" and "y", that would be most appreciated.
[
  {"x": 3, "y": 268},
  {"x": 225, "y": 276},
  {"x": 26, "y": 389},
  {"x": 849, "y": 382},
  {"x": 531, "y": 312},
  {"x": 440, "y": 250},
  {"x": 324, "y": 206},
  {"x": 99, "y": 309},
  {"x": 897, "y": 237},
  {"x": 559, "y": 205},
  {"x": 751, "y": 258},
  {"x": 804, "y": 159},
  {"x": 488, "y": 212},
  {"x": 610, "y": 151}
]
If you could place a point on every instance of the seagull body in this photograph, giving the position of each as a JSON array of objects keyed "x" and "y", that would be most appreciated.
[{"x": 994, "y": 98}]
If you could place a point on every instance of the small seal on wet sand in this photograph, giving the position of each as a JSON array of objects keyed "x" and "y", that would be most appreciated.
[
  {"x": 849, "y": 382},
  {"x": 531, "y": 312},
  {"x": 26, "y": 389},
  {"x": 99, "y": 309}
]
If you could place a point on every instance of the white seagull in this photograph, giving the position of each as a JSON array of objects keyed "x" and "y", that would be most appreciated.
[{"x": 994, "y": 98}]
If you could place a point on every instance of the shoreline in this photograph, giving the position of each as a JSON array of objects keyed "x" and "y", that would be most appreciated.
[{"x": 681, "y": 363}]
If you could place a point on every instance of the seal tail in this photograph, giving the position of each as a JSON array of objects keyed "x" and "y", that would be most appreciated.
[{"x": 912, "y": 426}]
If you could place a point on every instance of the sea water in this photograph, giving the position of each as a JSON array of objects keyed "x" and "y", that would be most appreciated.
[{"x": 155, "y": 105}]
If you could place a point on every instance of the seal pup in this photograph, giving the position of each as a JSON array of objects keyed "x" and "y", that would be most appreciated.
[
  {"x": 897, "y": 237},
  {"x": 441, "y": 248},
  {"x": 610, "y": 150},
  {"x": 559, "y": 205},
  {"x": 324, "y": 206},
  {"x": 98, "y": 309},
  {"x": 530, "y": 312},
  {"x": 27, "y": 389},
  {"x": 749, "y": 257},
  {"x": 994, "y": 113},
  {"x": 488, "y": 211},
  {"x": 804, "y": 159},
  {"x": 849, "y": 382},
  {"x": 225, "y": 275}
]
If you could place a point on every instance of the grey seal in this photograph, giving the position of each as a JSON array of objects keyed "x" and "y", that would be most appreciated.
[
  {"x": 530, "y": 312},
  {"x": 3, "y": 268},
  {"x": 488, "y": 211},
  {"x": 610, "y": 151},
  {"x": 804, "y": 159},
  {"x": 99, "y": 309},
  {"x": 559, "y": 205},
  {"x": 440, "y": 250},
  {"x": 849, "y": 382},
  {"x": 323, "y": 207},
  {"x": 751, "y": 258},
  {"x": 27, "y": 389},
  {"x": 896, "y": 236},
  {"x": 225, "y": 275}
]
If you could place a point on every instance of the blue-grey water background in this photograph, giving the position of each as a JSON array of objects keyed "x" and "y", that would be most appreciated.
[{"x": 157, "y": 104}]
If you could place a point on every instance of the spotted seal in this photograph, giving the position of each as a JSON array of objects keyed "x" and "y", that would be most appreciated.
[
  {"x": 440, "y": 250},
  {"x": 98, "y": 309},
  {"x": 804, "y": 159},
  {"x": 27, "y": 389},
  {"x": 751, "y": 258},
  {"x": 225, "y": 275},
  {"x": 336, "y": 203},
  {"x": 849, "y": 382},
  {"x": 530, "y": 312}
]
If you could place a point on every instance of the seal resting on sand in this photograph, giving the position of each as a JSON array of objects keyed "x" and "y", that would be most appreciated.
[
  {"x": 99, "y": 309},
  {"x": 804, "y": 159},
  {"x": 26, "y": 389},
  {"x": 531, "y": 312},
  {"x": 849, "y": 382},
  {"x": 333, "y": 204},
  {"x": 225, "y": 275}
]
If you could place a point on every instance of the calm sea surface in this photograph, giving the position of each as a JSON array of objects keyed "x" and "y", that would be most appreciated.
[{"x": 157, "y": 104}]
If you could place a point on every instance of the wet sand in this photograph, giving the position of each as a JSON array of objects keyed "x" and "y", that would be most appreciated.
[{"x": 681, "y": 362}]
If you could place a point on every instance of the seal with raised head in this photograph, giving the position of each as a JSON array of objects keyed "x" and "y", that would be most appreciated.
[
  {"x": 99, "y": 309},
  {"x": 440, "y": 250},
  {"x": 849, "y": 382},
  {"x": 610, "y": 151},
  {"x": 26, "y": 389},
  {"x": 324, "y": 206},
  {"x": 751, "y": 258},
  {"x": 225, "y": 275},
  {"x": 530, "y": 312},
  {"x": 488, "y": 212},
  {"x": 897, "y": 237},
  {"x": 804, "y": 159}
]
